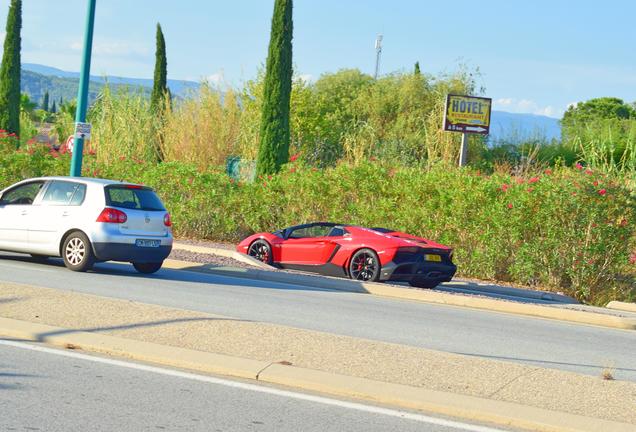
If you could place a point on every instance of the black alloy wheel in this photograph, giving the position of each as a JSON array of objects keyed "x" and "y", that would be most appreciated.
[
  {"x": 262, "y": 251},
  {"x": 365, "y": 266}
]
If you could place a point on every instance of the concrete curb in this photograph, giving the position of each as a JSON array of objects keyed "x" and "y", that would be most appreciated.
[
  {"x": 435, "y": 297},
  {"x": 616, "y": 305},
  {"x": 227, "y": 253},
  {"x": 455, "y": 405}
]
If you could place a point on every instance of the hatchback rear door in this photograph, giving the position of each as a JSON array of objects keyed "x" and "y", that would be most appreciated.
[{"x": 144, "y": 210}]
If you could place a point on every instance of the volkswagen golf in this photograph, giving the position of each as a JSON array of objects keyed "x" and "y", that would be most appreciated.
[{"x": 84, "y": 221}]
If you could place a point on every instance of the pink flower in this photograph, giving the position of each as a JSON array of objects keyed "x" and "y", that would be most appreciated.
[
  {"x": 520, "y": 181},
  {"x": 504, "y": 187},
  {"x": 510, "y": 205},
  {"x": 624, "y": 222},
  {"x": 595, "y": 183},
  {"x": 533, "y": 180},
  {"x": 548, "y": 171},
  {"x": 579, "y": 166},
  {"x": 632, "y": 258},
  {"x": 589, "y": 172},
  {"x": 530, "y": 189},
  {"x": 292, "y": 170},
  {"x": 294, "y": 157},
  {"x": 602, "y": 192}
]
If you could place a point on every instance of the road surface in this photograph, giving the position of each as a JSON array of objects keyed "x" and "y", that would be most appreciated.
[
  {"x": 52, "y": 390},
  {"x": 546, "y": 343}
]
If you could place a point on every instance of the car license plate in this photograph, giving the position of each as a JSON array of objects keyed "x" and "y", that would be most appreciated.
[
  {"x": 147, "y": 243},
  {"x": 435, "y": 258}
]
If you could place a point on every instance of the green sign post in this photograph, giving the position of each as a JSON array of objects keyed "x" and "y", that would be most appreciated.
[{"x": 82, "y": 93}]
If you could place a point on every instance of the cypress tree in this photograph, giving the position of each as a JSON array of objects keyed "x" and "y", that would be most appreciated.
[
  {"x": 417, "y": 72},
  {"x": 159, "y": 87},
  {"x": 10, "y": 71},
  {"x": 53, "y": 108},
  {"x": 45, "y": 103},
  {"x": 274, "y": 131}
]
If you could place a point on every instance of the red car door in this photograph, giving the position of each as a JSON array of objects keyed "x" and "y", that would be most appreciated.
[{"x": 307, "y": 251}]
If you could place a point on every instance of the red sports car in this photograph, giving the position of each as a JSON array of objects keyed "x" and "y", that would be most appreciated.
[{"x": 365, "y": 254}]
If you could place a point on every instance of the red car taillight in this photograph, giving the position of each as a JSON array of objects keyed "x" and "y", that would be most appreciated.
[
  {"x": 111, "y": 215},
  {"x": 167, "y": 221}
]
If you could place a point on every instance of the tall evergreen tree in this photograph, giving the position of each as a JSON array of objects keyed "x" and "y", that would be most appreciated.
[
  {"x": 53, "y": 108},
  {"x": 61, "y": 101},
  {"x": 159, "y": 87},
  {"x": 10, "y": 71},
  {"x": 274, "y": 131},
  {"x": 45, "y": 102},
  {"x": 416, "y": 71}
]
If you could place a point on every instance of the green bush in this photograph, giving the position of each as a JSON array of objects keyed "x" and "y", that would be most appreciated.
[{"x": 567, "y": 229}]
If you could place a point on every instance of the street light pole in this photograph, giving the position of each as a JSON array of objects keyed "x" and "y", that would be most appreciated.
[
  {"x": 378, "y": 53},
  {"x": 82, "y": 93}
]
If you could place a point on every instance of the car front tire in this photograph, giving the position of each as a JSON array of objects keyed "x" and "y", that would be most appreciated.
[
  {"x": 262, "y": 251},
  {"x": 147, "y": 268},
  {"x": 77, "y": 252}
]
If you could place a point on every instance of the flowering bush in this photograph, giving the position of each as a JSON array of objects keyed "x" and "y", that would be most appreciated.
[{"x": 565, "y": 229}]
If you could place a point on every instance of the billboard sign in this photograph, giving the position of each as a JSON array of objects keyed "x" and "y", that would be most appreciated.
[{"x": 467, "y": 114}]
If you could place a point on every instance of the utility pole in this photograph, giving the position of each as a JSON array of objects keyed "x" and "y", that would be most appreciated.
[
  {"x": 82, "y": 93},
  {"x": 378, "y": 53}
]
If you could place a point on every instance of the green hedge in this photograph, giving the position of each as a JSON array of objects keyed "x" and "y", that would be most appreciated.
[{"x": 570, "y": 229}]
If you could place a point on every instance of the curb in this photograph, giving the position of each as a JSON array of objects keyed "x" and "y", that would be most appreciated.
[
  {"x": 434, "y": 297},
  {"x": 227, "y": 253},
  {"x": 623, "y": 306},
  {"x": 455, "y": 405}
]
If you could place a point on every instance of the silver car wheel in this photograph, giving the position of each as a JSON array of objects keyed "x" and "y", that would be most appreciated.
[{"x": 75, "y": 251}]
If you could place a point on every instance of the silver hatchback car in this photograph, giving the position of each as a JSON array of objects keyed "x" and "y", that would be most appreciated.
[{"x": 85, "y": 221}]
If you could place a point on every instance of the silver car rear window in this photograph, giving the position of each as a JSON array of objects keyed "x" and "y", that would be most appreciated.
[{"x": 133, "y": 197}]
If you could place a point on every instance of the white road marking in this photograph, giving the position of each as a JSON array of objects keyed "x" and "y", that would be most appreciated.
[{"x": 256, "y": 388}]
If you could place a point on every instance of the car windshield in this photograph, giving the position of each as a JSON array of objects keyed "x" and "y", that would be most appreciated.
[{"x": 133, "y": 197}]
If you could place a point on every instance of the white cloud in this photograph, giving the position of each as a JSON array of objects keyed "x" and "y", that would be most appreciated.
[
  {"x": 307, "y": 78},
  {"x": 214, "y": 79},
  {"x": 114, "y": 48},
  {"x": 527, "y": 106}
]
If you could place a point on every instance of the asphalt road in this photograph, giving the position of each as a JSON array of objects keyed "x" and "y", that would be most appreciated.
[
  {"x": 55, "y": 390},
  {"x": 547, "y": 343}
]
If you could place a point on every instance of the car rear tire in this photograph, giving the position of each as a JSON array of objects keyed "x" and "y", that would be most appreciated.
[
  {"x": 364, "y": 266},
  {"x": 147, "y": 268},
  {"x": 262, "y": 251},
  {"x": 77, "y": 252},
  {"x": 423, "y": 284}
]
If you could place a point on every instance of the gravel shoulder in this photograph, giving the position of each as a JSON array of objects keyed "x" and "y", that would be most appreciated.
[{"x": 498, "y": 380}]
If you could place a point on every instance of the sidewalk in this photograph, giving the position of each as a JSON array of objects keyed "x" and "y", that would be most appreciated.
[{"x": 357, "y": 367}]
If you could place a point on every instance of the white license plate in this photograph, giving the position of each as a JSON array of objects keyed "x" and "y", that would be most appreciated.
[{"x": 148, "y": 243}]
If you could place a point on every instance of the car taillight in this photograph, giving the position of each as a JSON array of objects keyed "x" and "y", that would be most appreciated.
[
  {"x": 166, "y": 220},
  {"x": 111, "y": 215}
]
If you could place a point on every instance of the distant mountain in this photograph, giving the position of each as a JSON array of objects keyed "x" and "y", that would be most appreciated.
[
  {"x": 38, "y": 79},
  {"x": 515, "y": 127}
]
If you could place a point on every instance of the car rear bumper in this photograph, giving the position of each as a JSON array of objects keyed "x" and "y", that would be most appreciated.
[
  {"x": 418, "y": 271},
  {"x": 130, "y": 252}
]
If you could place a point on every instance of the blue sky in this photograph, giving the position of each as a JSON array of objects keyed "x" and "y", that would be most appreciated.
[{"x": 535, "y": 57}]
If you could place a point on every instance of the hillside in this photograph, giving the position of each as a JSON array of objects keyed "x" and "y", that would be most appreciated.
[{"x": 37, "y": 79}]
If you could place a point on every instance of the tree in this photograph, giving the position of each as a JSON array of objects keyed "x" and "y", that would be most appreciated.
[
  {"x": 26, "y": 104},
  {"x": 159, "y": 88},
  {"x": 274, "y": 129},
  {"x": 597, "y": 109},
  {"x": 45, "y": 102},
  {"x": 416, "y": 71},
  {"x": 53, "y": 108},
  {"x": 10, "y": 71}
]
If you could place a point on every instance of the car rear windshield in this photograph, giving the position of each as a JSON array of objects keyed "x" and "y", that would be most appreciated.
[{"x": 133, "y": 197}]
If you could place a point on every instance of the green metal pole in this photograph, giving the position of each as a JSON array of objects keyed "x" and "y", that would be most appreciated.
[{"x": 82, "y": 93}]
